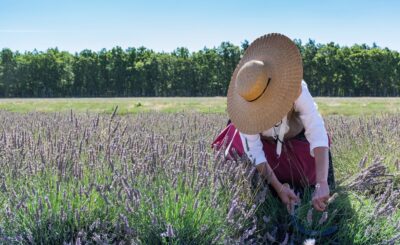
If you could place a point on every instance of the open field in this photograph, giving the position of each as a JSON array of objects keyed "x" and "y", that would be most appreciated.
[
  {"x": 151, "y": 178},
  {"x": 327, "y": 106}
]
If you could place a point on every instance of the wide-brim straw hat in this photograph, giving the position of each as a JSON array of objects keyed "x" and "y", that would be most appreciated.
[{"x": 265, "y": 83}]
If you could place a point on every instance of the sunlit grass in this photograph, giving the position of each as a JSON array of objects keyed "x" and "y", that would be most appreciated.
[{"x": 327, "y": 106}]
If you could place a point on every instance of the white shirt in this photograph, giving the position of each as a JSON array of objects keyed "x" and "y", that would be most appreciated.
[{"x": 315, "y": 131}]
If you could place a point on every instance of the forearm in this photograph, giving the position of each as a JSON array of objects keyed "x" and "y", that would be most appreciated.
[
  {"x": 265, "y": 170},
  {"x": 321, "y": 155}
]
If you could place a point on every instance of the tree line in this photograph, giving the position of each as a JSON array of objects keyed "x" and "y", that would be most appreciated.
[{"x": 329, "y": 70}]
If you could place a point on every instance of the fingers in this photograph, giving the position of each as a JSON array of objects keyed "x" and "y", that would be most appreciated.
[
  {"x": 289, "y": 198},
  {"x": 292, "y": 200},
  {"x": 325, "y": 198},
  {"x": 319, "y": 204},
  {"x": 293, "y": 196},
  {"x": 290, "y": 206},
  {"x": 320, "y": 199}
]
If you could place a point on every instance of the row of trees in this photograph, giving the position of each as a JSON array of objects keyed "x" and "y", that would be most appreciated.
[{"x": 329, "y": 70}]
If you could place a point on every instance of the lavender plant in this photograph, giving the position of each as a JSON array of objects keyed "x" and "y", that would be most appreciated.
[
  {"x": 152, "y": 178},
  {"x": 145, "y": 179}
]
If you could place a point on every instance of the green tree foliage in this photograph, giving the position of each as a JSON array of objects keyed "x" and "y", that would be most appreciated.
[{"x": 329, "y": 70}]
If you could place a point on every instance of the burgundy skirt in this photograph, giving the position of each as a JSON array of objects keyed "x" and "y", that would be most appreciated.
[{"x": 295, "y": 165}]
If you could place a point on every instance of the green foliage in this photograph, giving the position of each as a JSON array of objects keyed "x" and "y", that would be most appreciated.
[
  {"x": 329, "y": 70},
  {"x": 326, "y": 106},
  {"x": 351, "y": 213}
]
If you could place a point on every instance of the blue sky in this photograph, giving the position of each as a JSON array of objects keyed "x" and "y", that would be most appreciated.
[{"x": 164, "y": 25}]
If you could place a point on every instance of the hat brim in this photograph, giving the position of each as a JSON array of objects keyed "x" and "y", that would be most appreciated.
[{"x": 283, "y": 58}]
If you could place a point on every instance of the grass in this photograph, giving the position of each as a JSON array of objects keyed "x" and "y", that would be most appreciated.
[
  {"x": 357, "y": 106},
  {"x": 327, "y": 106},
  {"x": 352, "y": 215},
  {"x": 107, "y": 105},
  {"x": 66, "y": 177}
]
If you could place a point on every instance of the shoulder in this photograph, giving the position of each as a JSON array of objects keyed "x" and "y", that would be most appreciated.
[
  {"x": 304, "y": 86},
  {"x": 305, "y": 99}
]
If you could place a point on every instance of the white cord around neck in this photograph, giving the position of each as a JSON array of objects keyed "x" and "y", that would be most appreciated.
[{"x": 282, "y": 130}]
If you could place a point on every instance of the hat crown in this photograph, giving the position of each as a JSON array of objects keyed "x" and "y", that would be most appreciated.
[
  {"x": 265, "y": 83},
  {"x": 251, "y": 80}
]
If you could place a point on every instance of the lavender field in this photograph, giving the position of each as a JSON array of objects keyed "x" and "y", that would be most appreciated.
[{"x": 152, "y": 178}]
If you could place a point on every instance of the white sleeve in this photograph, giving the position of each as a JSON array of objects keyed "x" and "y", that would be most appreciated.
[
  {"x": 253, "y": 147},
  {"x": 315, "y": 131}
]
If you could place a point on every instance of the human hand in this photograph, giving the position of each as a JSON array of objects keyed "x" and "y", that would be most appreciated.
[
  {"x": 287, "y": 196},
  {"x": 320, "y": 196}
]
